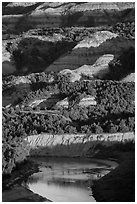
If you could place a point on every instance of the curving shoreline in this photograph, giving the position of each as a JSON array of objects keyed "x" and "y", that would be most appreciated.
[
  {"x": 21, "y": 194},
  {"x": 17, "y": 192},
  {"x": 105, "y": 189}
]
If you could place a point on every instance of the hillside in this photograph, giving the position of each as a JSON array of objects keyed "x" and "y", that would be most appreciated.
[
  {"x": 64, "y": 14},
  {"x": 63, "y": 35},
  {"x": 68, "y": 87}
]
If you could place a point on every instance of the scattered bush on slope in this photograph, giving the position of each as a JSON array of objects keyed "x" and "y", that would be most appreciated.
[{"x": 14, "y": 148}]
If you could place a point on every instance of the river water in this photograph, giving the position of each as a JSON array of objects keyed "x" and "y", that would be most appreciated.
[{"x": 67, "y": 180}]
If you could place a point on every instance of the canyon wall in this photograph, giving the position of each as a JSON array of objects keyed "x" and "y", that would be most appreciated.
[
  {"x": 98, "y": 56},
  {"x": 72, "y": 144},
  {"x": 59, "y": 14}
]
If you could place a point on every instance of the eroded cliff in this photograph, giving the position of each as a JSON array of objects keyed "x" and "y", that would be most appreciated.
[{"x": 72, "y": 144}]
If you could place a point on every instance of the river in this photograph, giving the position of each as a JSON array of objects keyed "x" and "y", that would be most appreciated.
[{"x": 67, "y": 180}]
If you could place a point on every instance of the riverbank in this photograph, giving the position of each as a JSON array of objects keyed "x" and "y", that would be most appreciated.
[
  {"x": 12, "y": 188},
  {"x": 68, "y": 179},
  {"x": 16, "y": 189},
  {"x": 114, "y": 187},
  {"x": 21, "y": 194},
  {"x": 119, "y": 184}
]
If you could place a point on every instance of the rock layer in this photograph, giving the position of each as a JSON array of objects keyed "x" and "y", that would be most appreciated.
[
  {"x": 71, "y": 144},
  {"x": 57, "y": 14},
  {"x": 88, "y": 56},
  {"x": 98, "y": 70},
  {"x": 96, "y": 39}
]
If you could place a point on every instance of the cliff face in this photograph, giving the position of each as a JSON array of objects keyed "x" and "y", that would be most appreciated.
[
  {"x": 84, "y": 102},
  {"x": 65, "y": 35},
  {"x": 71, "y": 144},
  {"x": 80, "y": 56},
  {"x": 129, "y": 78},
  {"x": 57, "y": 14},
  {"x": 98, "y": 70},
  {"x": 56, "y": 50}
]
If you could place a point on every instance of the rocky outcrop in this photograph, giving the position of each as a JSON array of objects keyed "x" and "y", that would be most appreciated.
[
  {"x": 57, "y": 14},
  {"x": 98, "y": 70},
  {"x": 71, "y": 144},
  {"x": 86, "y": 101},
  {"x": 52, "y": 50},
  {"x": 96, "y": 39},
  {"x": 88, "y": 56},
  {"x": 63, "y": 103},
  {"x": 129, "y": 78},
  {"x": 52, "y": 140},
  {"x": 35, "y": 103}
]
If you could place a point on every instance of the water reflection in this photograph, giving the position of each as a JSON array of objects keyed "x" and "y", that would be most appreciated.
[{"x": 66, "y": 180}]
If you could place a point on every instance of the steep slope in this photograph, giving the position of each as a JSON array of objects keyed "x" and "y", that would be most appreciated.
[
  {"x": 71, "y": 145},
  {"x": 130, "y": 77},
  {"x": 98, "y": 70},
  {"x": 33, "y": 53},
  {"x": 89, "y": 54},
  {"x": 59, "y": 14}
]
